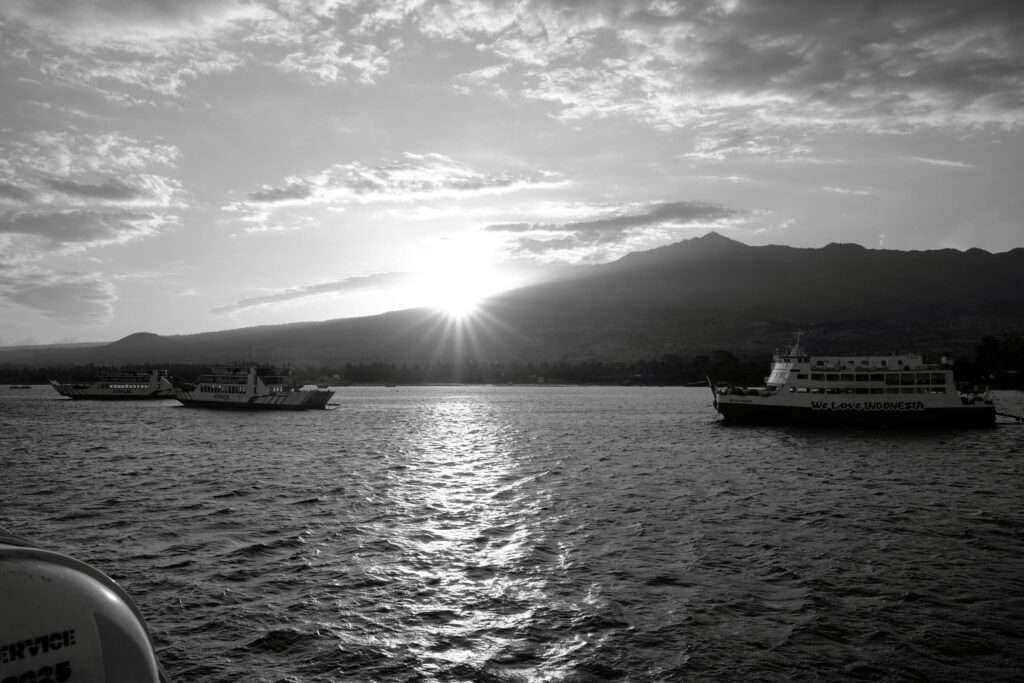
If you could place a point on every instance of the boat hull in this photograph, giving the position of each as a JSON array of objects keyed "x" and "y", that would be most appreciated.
[
  {"x": 761, "y": 414},
  {"x": 132, "y": 388},
  {"x": 81, "y": 396},
  {"x": 290, "y": 400}
]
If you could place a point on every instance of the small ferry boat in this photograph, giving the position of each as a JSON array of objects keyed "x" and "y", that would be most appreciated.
[
  {"x": 121, "y": 387},
  {"x": 891, "y": 390},
  {"x": 249, "y": 387}
]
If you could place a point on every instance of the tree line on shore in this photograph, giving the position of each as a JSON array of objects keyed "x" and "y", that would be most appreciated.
[{"x": 998, "y": 362}]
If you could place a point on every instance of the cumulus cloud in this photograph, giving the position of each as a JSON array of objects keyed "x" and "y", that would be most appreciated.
[
  {"x": 67, "y": 297},
  {"x": 590, "y": 239},
  {"x": 344, "y": 286}
]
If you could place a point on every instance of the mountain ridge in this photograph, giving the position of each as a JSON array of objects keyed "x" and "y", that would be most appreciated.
[{"x": 692, "y": 296}]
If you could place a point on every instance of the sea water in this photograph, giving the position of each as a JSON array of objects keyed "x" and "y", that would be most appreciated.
[{"x": 532, "y": 534}]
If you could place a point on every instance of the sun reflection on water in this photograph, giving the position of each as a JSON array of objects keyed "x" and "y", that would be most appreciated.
[{"x": 464, "y": 524}]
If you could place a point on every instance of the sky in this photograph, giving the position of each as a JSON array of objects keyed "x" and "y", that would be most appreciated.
[{"x": 179, "y": 166}]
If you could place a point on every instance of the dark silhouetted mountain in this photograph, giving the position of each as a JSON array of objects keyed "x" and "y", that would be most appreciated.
[{"x": 690, "y": 297}]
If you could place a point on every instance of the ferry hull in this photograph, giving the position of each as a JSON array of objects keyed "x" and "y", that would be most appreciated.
[
  {"x": 759, "y": 414},
  {"x": 119, "y": 397},
  {"x": 293, "y": 400},
  {"x": 99, "y": 393}
]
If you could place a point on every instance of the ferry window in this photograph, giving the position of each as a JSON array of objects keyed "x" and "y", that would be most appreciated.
[
  {"x": 884, "y": 362},
  {"x": 892, "y": 380},
  {"x": 817, "y": 377},
  {"x": 938, "y": 378},
  {"x": 862, "y": 378},
  {"x": 817, "y": 390},
  {"x": 861, "y": 390},
  {"x": 924, "y": 378},
  {"x": 877, "y": 378},
  {"x": 908, "y": 390},
  {"x": 847, "y": 378},
  {"x": 801, "y": 376},
  {"x": 892, "y": 390},
  {"x": 907, "y": 378},
  {"x": 877, "y": 390},
  {"x": 832, "y": 378},
  {"x": 820, "y": 362}
]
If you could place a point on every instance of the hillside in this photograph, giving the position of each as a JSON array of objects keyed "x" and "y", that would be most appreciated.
[{"x": 689, "y": 297}]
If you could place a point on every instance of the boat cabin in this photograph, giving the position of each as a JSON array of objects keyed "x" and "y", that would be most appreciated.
[{"x": 886, "y": 374}]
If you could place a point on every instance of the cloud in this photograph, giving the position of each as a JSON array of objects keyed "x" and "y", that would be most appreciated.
[
  {"x": 292, "y": 190},
  {"x": 13, "y": 192},
  {"x": 743, "y": 142},
  {"x": 413, "y": 177},
  {"x": 859, "y": 191},
  {"x": 332, "y": 60},
  {"x": 67, "y": 297},
  {"x": 423, "y": 176},
  {"x": 65, "y": 154},
  {"x": 80, "y": 191},
  {"x": 79, "y": 227},
  {"x": 789, "y": 63},
  {"x": 128, "y": 51},
  {"x": 594, "y": 238},
  {"x": 946, "y": 163},
  {"x": 487, "y": 77},
  {"x": 876, "y": 66},
  {"x": 135, "y": 53},
  {"x": 346, "y": 285},
  {"x": 112, "y": 189}
]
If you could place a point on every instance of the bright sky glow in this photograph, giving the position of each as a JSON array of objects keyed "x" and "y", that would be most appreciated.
[{"x": 185, "y": 166}]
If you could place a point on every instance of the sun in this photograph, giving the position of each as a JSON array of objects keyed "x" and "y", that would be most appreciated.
[
  {"x": 461, "y": 276},
  {"x": 456, "y": 297}
]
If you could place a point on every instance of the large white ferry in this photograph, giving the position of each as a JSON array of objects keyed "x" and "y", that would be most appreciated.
[
  {"x": 120, "y": 387},
  {"x": 249, "y": 388},
  {"x": 868, "y": 390}
]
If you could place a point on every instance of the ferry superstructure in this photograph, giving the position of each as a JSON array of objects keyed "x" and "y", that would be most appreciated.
[
  {"x": 897, "y": 389},
  {"x": 249, "y": 387},
  {"x": 120, "y": 387}
]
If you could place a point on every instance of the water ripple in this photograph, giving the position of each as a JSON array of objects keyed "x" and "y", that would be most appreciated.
[{"x": 532, "y": 534}]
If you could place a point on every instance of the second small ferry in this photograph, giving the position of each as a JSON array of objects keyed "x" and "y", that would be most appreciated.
[
  {"x": 249, "y": 387},
  {"x": 128, "y": 386},
  {"x": 894, "y": 390}
]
